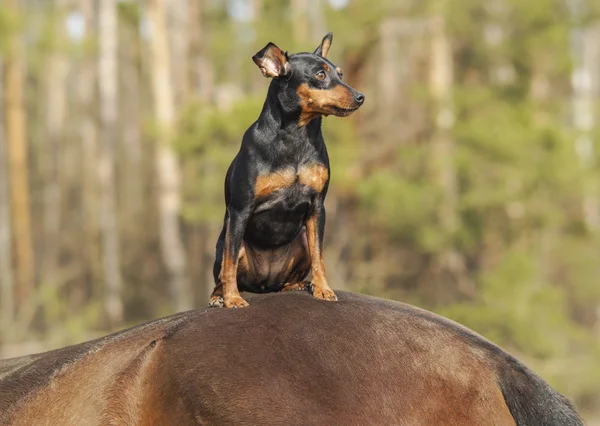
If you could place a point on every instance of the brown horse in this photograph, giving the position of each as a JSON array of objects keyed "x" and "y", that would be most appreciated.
[{"x": 288, "y": 359}]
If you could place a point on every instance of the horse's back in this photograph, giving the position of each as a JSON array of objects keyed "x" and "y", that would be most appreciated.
[
  {"x": 285, "y": 359},
  {"x": 290, "y": 359}
]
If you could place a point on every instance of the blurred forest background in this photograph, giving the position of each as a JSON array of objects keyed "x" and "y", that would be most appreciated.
[{"x": 468, "y": 184}]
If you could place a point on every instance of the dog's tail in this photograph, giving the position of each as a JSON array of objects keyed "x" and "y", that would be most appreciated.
[{"x": 531, "y": 401}]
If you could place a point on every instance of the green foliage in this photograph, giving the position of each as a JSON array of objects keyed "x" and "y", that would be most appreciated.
[
  {"x": 517, "y": 310},
  {"x": 520, "y": 186},
  {"x": 9, "y": 24},
  {"x": 343, "y": 146},
  {"x": 130, "y": 12},
  {"x": 403, "y": 206},
  {"x": 208, "y": 139},
  {"x": 530, "y": 260},
  {"x": 68, "y": 325},
  {"x": 519, "y": 180}
]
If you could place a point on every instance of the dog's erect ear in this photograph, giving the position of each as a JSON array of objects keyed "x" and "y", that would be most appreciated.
[
  {"x": 272, "y": 61},
  {"x": 324, "y": 46}
]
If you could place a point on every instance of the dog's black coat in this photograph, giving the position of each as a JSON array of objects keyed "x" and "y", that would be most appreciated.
[{"x": 285, "y": 143}]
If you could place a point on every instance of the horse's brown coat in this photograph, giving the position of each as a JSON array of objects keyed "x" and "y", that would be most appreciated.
[{"x": 286, "y": 359}]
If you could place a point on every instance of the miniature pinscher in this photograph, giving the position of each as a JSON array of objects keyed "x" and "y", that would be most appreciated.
[{"x": 275, "y": 187}]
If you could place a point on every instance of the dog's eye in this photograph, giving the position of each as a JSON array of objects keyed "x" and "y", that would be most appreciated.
[
  {"x": 341, "y": 74},
  {"x": 321, "y": 75}
]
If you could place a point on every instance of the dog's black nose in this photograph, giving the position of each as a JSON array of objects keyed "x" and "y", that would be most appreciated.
[{"x": 359, "y": 98}]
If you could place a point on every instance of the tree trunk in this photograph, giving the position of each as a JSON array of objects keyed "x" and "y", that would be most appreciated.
[
  {"x": 168, "y": 172},
  {"x": 6, "y": 272},
  {"x": 107, "y": 77},
  {"x": 586, "y": 54},
  {"x": 501, "y": 71},
  {"x": 316, "y": 17},
  {"x": 201, "y": 74},
  {"x": 133, "y": 172},
  {"x": 440, "y": 82},
  {"x": 88, "y": 133},
  {"x": 179, "y": 40},
  {"x": 201, "y": 83},
  {"x": 387, "y": 69},
  {"x": 299, "y": 22},
  {"x": 54, "y": 149},
  {"x": 449, "y": 263},
  {"x": 17, "y": 157}
]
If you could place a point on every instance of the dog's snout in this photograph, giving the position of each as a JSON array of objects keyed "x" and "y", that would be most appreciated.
[{"x": 359, "y": 97}]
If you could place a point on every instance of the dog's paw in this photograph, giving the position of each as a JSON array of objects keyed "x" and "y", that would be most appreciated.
[
  {"x": 216, "y": 302},
  {"x": 235, "y": 302},
  {"x": 324, "y": 293},
  {"x": 308, "y": 286},
  {"x": 303, "y": 286}
]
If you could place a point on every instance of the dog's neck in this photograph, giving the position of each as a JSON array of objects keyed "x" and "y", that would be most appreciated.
[{"x": 281, "y": 121}]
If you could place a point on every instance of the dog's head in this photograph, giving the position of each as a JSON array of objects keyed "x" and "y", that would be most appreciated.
[{"x": 310, "y": 81}]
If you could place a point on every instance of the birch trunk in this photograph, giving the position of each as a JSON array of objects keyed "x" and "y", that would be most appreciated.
[
  {"x": 201, "y": 83},
  {"x": 17, "y": 158},
  {"x": 256, "y": 79},
  {"x": 6, "y": 276},
  {"x": 387, "y": 69},
  {"x": 300, "y": 22},
  {"x": 168, "y": 173},
  {"x": 177, "y": 23},
  {"x": 316, "y": 17},
  {"x": 585, "y": 49},
  {"x": 88, "y": 134},
  {"x": 133, "y": 171},
  {"x": 441, "y": 91},
  {"x": 107, "y": 77},
  {"x": 440, "y": 83},
  {"x": 55, "y": 110},
  {"x": 201, "y": 74}
]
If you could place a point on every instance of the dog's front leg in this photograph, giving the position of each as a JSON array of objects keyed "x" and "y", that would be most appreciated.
[
  {"x": 315, "y": 232},
  {"x": 234, "y": 234}
]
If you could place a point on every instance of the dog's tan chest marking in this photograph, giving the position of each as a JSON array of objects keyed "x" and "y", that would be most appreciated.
[
  {"x": 266, "y": 184},
  {"x": 312, "y": 175}
]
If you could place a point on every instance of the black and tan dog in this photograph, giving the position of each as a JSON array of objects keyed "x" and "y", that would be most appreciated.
[{"x": 275, "y": 187}]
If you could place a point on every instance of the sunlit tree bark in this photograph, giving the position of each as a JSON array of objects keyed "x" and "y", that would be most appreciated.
[
  {"x": 201, "y": 73},
  {"x": 167, "y": 168},
  {"x": 131, "y": 123},
  {"x": 54, "y": 146},
  {"x": 585, "y": 50},
  {"x": 299, "y": 22},
  {"x": 6, "y": 267},
  {"x": 442, "y": 152},
  {"x": 107, "y": 78},
  {"x": 14, "y": 125},
  {"x": 178, "y": 15},
  {"x": 87, "y": 132}
]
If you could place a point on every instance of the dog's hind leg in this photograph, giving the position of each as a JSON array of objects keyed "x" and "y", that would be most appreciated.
[
  {"x": 299, "y": 266},
  {"x": 301, "y": 286}
]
